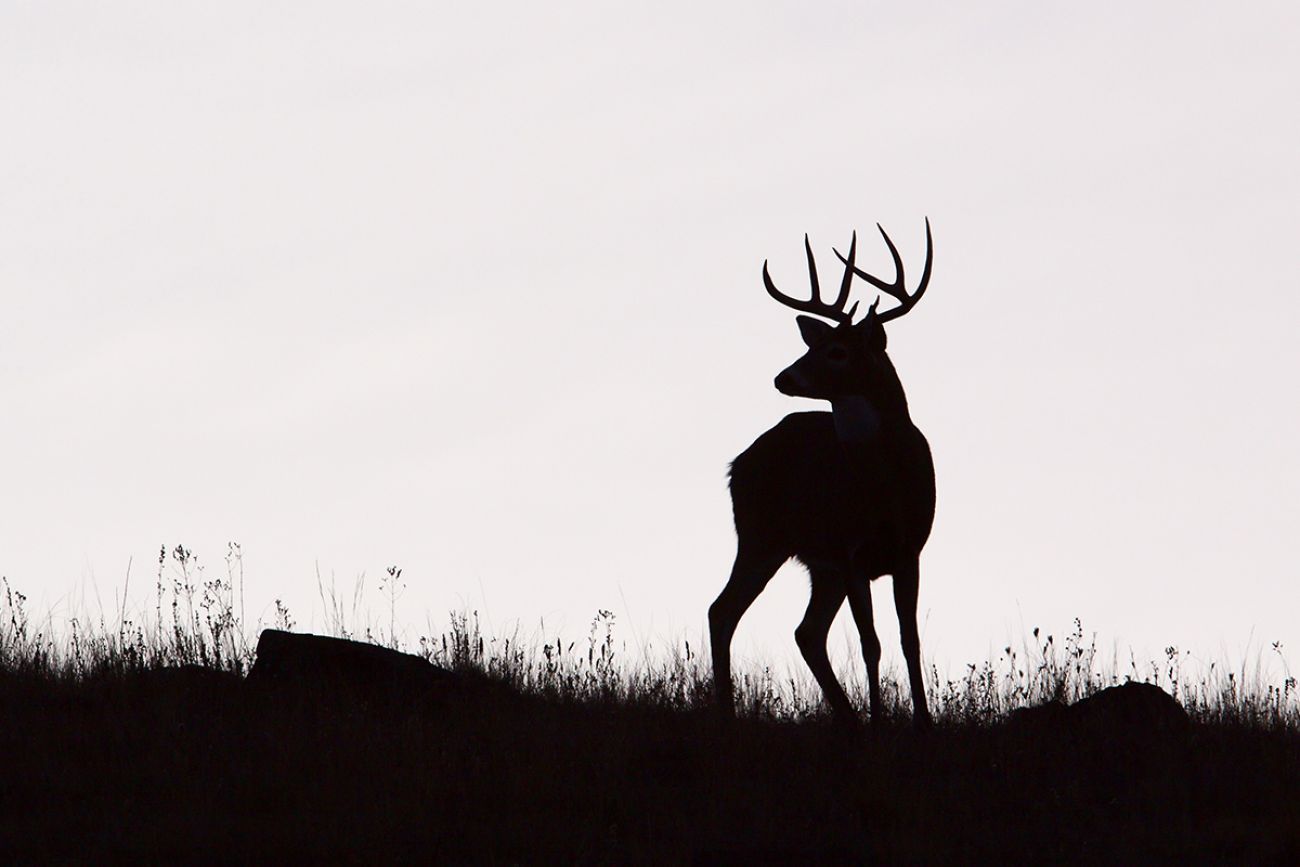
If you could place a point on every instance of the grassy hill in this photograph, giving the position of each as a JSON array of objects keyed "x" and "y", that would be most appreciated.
[{"x": 148, "y": 745}]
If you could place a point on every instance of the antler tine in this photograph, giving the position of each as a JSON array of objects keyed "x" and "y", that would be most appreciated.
[
  {"x": 815, "y": 305},
  {"x": 846, "y": 282},
  {"x": 812, "y": 270},
  {"x": 897, "y": 288},
  {"x": 929, "y": 260}
]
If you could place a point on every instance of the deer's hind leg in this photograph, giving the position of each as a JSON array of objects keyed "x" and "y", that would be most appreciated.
[
  {"x": 749, "y": 575},
  {"x": 859, "y": 591},
  {"x": 828, "y": 588}
]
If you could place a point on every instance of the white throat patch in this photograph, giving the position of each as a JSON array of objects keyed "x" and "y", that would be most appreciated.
[{"x": 856, "y": 419}]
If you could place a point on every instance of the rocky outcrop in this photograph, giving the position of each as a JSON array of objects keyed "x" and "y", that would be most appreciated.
[
  {"x": 288, "y": 661},
  {"x": 1129, "y": 710}
]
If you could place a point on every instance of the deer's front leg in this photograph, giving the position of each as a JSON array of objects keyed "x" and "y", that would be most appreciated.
[{"x": 906, "y": 583}]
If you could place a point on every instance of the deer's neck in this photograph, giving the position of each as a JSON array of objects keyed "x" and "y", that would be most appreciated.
[{"x": 857, "y": 420}]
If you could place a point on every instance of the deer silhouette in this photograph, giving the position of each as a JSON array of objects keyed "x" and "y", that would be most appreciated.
[{"x": 849, "y": 493}]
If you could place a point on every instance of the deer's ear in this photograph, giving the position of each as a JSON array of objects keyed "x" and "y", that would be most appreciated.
[
  {"x": 813, "y": 331},
  {"x": 872, "y": 332},
  {"x": 876, "y": 338}
]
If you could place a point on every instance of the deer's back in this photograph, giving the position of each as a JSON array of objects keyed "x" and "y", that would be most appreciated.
[{"x": 798, "y": 488}]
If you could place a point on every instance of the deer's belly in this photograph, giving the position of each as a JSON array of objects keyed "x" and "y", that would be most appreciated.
[{"x": 864, "y": 550}]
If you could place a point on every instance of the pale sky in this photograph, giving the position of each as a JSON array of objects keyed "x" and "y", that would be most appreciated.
[{"x": 474, "y": 289}]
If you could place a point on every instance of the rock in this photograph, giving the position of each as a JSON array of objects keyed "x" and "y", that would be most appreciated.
[
  {"x": 1131, "y": 710},
  {"x": 338, "y": 667},
  {"x": 1124, "y": 756},
  {"x": 1136, "y": 707}
]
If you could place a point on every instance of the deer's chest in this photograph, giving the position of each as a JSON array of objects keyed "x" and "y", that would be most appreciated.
[{"x": 857, "y": 422}]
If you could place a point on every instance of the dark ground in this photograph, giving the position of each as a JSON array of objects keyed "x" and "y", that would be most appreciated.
[{"x": 200, "y": 767}]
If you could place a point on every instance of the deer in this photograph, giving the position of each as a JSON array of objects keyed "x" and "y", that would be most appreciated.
[{"x": 848, "y": 493}]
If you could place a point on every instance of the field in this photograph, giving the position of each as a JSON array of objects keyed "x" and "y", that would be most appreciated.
[{"x": 144, "y": 743}]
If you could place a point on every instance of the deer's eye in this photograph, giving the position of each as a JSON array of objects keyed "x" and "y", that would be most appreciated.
[{"x": 837, "y": 354}]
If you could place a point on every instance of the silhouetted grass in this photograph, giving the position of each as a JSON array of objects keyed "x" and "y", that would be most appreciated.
[{"x": 572, "y": 750}]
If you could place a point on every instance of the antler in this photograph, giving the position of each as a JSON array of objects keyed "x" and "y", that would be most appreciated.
[
  {"x": 815, "y": 305},
  {"x": 897, "y": 289}
]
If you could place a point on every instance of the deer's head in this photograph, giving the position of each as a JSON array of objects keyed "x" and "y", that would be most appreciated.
[{"x": 848, "y": 359}]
